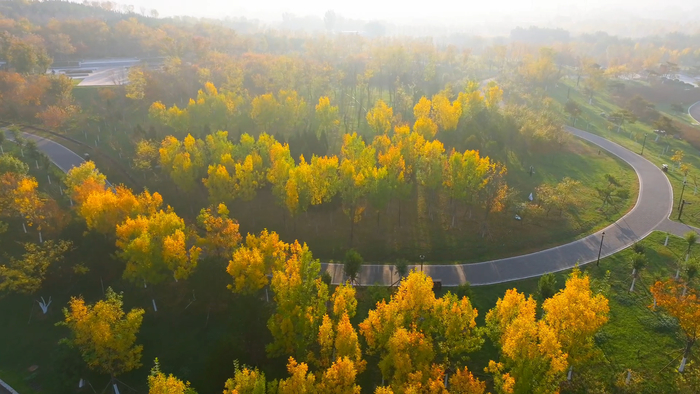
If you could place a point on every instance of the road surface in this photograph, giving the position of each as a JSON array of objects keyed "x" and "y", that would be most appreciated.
[
  {"x": 651, "y": 212},
  {"x": 62, "y": 157},
  {"x": 694, "y": 112}
]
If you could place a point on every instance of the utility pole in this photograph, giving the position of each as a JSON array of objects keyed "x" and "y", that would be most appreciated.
[
  {"x": 597, "y": 263},
  {"x": 682, "y": 190}
]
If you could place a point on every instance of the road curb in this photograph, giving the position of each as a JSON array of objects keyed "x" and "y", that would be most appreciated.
[{"x": 7, "y": 387}]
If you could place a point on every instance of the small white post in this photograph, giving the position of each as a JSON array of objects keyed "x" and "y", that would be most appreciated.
[
  {"x": 40, "y": 240},
  {"x": 629, "y": 377},
  {"x": 154, "y": 304},
  {"x": 49, "y": 178},
  {"x": 571, "y": 371},
  {"x": 21, "y": 151},
  {"x": 37, "y": 164},
  {"x": 71, "y": 202},
  {"x": 24, "y": 228},
  {"x": 44, "y": 305},
  {"x": 633, "y": 280},
  {"x": 81, "y": 384},
  {"x": 682, "y": 367},
  {"x": 666, "y": 241},
  {"x": 654, "y": 302},
  {"x": 267, "y": 297},
  {"x": 657, "y": 138},
  {"x": 678, "y": 273},
  {"x": 60, "y": 189},
  {"x": 116, "y": 389}
]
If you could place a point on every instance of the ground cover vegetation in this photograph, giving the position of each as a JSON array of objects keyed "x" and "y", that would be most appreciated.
[{"x": 238, "y": 127}]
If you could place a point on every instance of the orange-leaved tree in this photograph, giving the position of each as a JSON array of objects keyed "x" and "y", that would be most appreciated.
[{"x": 683, "y": 304}]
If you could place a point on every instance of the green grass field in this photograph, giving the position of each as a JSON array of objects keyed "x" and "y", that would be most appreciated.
[{"x": 632, "y": 137}]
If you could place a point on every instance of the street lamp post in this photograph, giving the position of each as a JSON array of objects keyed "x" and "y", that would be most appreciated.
[
  {"x": 597, "y": 263},
  {"x": 680, "y": 211},
  {"x": 682, "y": 190},
  {"x": 422, "y": 258}
]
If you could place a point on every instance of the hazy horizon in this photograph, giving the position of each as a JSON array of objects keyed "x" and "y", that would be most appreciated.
[{"x": 442, "y": 12}]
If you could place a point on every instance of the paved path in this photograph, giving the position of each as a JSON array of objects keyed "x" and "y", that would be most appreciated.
[
  {"x": 62, "y": 157},
  {"x": 650, "y": 213},
  {"x": 694, "y": 111}
]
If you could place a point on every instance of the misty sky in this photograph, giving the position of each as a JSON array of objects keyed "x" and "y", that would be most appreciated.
[{"x": 432, "y": 12}]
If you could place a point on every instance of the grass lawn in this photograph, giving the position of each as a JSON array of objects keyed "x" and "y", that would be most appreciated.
[{"x": 632, "y": 137}]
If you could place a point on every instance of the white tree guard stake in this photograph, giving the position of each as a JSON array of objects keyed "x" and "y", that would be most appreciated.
[
  {"x": 81, "y": 384},
  {"x": 24, "y": 228},
  {"x": 116, "y": 389},
  {"x": 629, "y": 377},
  {"x": 2, "y": 150},
  {"x": 44, "y": 305},
  {"x": 41, "y": 241},
  {"x": 681, "y": 369},
  {"x": 678, "y": 273},
  {"x": 666, "y": 241},
  {"x": 37, "y": 164},
  {"x": 571, "y": 371},
  {"x": 60, "y": 189},
  {"x": 21, "y": 151},
  {"x": 49, "y": 178},
  {"x": 71, "y": 202},
  {"x": 634, "y": 278},
  {"x": 95, "y": 142},
  {"x": 154, "y": 304},
  {"x": 654, "y": 302}
]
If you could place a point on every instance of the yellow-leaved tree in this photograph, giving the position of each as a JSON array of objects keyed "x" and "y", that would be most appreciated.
[
  {"x": 221, "y": 236},
  {"x": 300, "y": 297},
  {"x": 532, "y": 359},
  {"x": 576, "y": 314},
  {"x": 416, "y": 330},
  {"x": 160, "y": 383},
  {"x": 155, "y": 248},
  {"x": 380, "y": 117},
  {"x": 254, "y": 263},
  {"x": 105, "y": 334}
]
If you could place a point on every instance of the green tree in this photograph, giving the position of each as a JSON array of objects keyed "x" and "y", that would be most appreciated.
[
  {"x": 352, "y": 264},
  {"x": 547, "y": 286}
]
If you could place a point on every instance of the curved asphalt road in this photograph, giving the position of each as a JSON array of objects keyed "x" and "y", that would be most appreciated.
[
  {"x": 654, "y": 205},
  {"x": 694, "y": 111}
]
